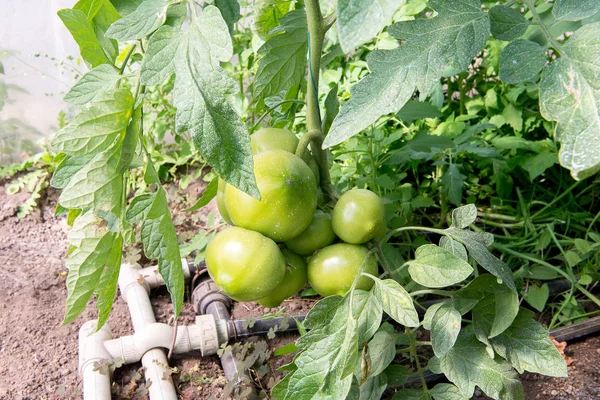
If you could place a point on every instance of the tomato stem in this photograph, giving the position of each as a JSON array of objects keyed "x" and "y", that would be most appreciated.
[{"x": 316, "y": 33}]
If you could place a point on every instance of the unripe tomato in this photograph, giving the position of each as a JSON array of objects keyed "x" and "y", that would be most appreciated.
[
  {"x": 295, "y": 278},
  {"x": 359, "y": 216},
  {"x": 245, "y": 264},
  {"x": 317, "y": 235},
  {"x": 333, "y": 269},
  {"x": 221, "y": 201},
  {"x": 274, "y": 138},
  {"x": 288, "y": 197}
]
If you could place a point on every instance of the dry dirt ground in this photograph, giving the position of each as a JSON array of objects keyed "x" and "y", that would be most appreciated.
[{"x": 38, "y": 356}]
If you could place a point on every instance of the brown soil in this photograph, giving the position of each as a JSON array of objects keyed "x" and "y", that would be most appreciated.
[{"x": 38, "y": 356}]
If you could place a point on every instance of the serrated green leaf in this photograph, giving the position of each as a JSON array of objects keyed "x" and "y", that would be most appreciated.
[
  {"x": 570, "y": 95},
  {"x": 451, "y": 38},
  {"x": 476, "y": 245},
  {"x": 464, "y": 216},
  {"x": 92, "y": 251},
  {"x": 396, "y": 302},
  {"x": 435, "y": 267},
  {"x": 454, "y": 247},
  {"x": 521, "y": 61},
  {"x": 89, "y": 7},
  {"x": 209, "y": 193},
  {"x": 67, "y": 169},
  {"x": 328, "y": 357},
  {"x": 507, "y": 23},
  {"x": 100, "y": 79},
  {"x": 397, "y": 374},
  {"x": 147, "y": 18},
  {"x": 283, "y": 62},
  {"x": 445, "y": 327},
  {"x": 96, "y": 128},
  {"x": 230, "y": 10},
  {"x": 84, "y": 34},
  {"x": 201, "y": 93},
  {"x": 382, "y": 351},
  {"x": 468, "y": 365},
  {"x": 454, "y": 181},
  {"x": 359, "y": 21},
  {"x": 447, "y": 391},
  {"x": 575, "y": 10},
  {"x": 160, "y": 240},
  {"x": 106, "y": 288},
  {"x": 527, "y": 346},
  {"x": 494, "y": 314},
  {"x": 97, "y": 185}
]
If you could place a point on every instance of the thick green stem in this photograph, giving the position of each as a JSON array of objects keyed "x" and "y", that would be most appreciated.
[
  {"x": 316, "y": 33},
  {"x": 307, "y": 139}
]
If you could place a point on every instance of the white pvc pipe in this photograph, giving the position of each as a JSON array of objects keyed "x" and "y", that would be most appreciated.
[
  {"x": 135, "y": 293},
  {"x": 203, "y": 336},
  {"x": 96, "y": 381},
  {"x": 154, "y": 279}
]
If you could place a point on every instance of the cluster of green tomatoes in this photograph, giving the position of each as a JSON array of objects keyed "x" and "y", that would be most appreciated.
[{"x": 263, "y": 255}]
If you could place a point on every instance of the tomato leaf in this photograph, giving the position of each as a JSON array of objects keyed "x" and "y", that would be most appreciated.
[
  {"x": 454, "y": 181},
  {"x": 446, "y": 391},
  {"x": 494, "y": 313},
  {"x": 467, "y": 364},
  {"x": 283, "y": 64},
  {"x": 84, "y": 34},
  {"x": 396, "y": 302},
  {"x": 435, "y": 267},
  {"x": 464, "y": 216},
  {"x": 521, "y": 60},
  {"x": 570, "y": 95},
  {"x": 526, "y": 345},
  {"x": 201, "y": 93},
  {"x": 476, "y": 243},
  {"x": 445, "y": 327},
  {"x": 160, "y": 240},
  {"x": 382, "y": 350},
  {"x": 507, "y": 23},
  {"x": 575, "y": 10},
  {"x": 89, "y": 7},
  {"x": 97, "y": 127},
  {"x": 209, "y": 193},
  {"x": 359, "y": 21},
  {"x": 148, "y": 17},
  {"x": 451, "y": 38},
  {"x": 268, "y": 13},
  {"x": 96, "y": 81},
  {"x": 94, "y": 249},
  {"x": 230, "y": 10}
]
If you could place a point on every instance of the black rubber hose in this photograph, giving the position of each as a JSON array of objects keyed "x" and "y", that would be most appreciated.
[{"x": 241, "y": 328}]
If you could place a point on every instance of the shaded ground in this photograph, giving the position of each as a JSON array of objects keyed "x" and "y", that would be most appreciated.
[{"x": 38, "y": 356}]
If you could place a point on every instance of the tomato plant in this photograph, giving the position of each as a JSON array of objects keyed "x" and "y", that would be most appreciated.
[{"x": 427, "y": 89}]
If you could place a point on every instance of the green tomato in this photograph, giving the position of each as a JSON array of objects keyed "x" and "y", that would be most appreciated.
[
  {"x": 288, "y": 197},
  {"x": 245, "y": 264},
  {"x": 317, "y": 235},
  {"x": 295, "y": 278},
  {"x": 273, "y": 138},
  {"x": 359, "y": 216},
  {"x": 221, "y": 201},
  {"x": 332, "y": 270}
]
